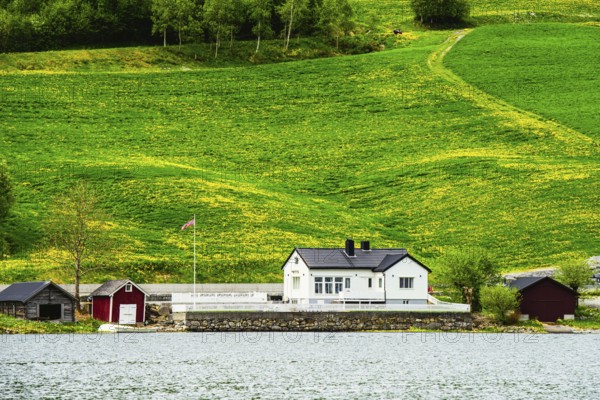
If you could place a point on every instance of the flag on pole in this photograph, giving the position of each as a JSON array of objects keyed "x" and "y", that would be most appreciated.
[{"x": 188, "y": 224}]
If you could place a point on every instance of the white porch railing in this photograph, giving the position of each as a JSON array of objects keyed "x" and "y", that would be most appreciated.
[
  {"x": 364, "y": 296},
  {"x": 285, "y": 307}
]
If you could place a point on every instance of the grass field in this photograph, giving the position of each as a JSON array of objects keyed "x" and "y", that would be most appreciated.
[{"x": 390, "y": 146}]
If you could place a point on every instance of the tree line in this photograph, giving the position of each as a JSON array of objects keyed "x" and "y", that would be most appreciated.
[{"x": 30, "y": 25}]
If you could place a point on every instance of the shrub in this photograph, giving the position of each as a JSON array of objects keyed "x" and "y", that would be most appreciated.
[
  {"x": 500, "y": 301},
  {"x": 434, "y": 12}
]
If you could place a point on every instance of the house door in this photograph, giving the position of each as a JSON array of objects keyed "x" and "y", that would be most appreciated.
[
  {"x": 546, "y": 311},
  {"x": 127, "y": 314}
]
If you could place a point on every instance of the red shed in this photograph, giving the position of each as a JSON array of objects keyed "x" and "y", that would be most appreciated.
[
  {"x": 545, "y": 299},
  {"x": 120, "y": 301}
]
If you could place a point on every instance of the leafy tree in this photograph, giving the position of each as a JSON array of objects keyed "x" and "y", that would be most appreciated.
[
  {"x": 184, "y": 12},
  {"x": 6, "y": 195},
  {"x": 222, "y": 17},
  {"x": 440, "y": 11},
  {"x": 335, "y": 18},
  {"x": 468, "y": 273},
  {"x": 291, "y": 11},
  {"x": 66, "y": 21},
  {"x": 6, "y": 201},
  {"x": 162, "y": 17},
  {"x": 77, "y": 229},
  {"x": 499, "y": 301},
  {"x": 575, "y": 275},
  {"x": 260, "y": 14},
  {"x": 6, "y": 28},
  {"x": 132, "y": 19}
]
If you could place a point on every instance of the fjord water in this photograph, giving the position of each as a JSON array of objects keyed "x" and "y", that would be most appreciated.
[{"x": 300, "y": 366}]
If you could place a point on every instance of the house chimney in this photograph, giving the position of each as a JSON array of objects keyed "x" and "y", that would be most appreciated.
[
  {"x": 365, "y": 245},
  {"x": 350, "y": 247}
]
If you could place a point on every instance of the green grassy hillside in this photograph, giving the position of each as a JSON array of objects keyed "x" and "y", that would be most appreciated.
[
  {"x": 549, "y": 69},
  {"x": 390, "y": 146}
]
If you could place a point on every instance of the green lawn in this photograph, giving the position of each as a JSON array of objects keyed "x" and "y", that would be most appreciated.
[{"x": 377, "y": 146}]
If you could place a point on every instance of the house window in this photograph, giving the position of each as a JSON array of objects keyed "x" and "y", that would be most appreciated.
[
  {"x": 380, "y": 282},
  {"x": 319, "y": 285},
  {"x": 328, "y": 285},
  {"x": 406, "y": 283},
  {"x": 296, "y": 282},
  {"x": 339, "y": 284},
  {"x": 370, "y": 282},
  {"x": 347, "y": 283},
  {"x": 128, "y": 287}
]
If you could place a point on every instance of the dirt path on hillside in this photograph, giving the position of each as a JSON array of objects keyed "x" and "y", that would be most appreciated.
[{"x": 528, "y": 122}]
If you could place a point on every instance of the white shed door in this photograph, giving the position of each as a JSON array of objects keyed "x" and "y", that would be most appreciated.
[{"x": 127, "y": 314}]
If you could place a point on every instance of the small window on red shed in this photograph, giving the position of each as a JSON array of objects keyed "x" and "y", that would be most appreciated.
[{"x": 128, "y": 287}]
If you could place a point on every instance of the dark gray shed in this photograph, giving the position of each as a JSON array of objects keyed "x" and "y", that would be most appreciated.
[{"x": 39, "y": 301}]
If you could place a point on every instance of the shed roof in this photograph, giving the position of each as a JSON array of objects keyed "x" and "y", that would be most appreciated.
[
  {"x": 24, "y": 291},
  {"x": 111, "y": 287},
  {"x": 524, "y": 282},
  {"x": 378, "y": 260}
]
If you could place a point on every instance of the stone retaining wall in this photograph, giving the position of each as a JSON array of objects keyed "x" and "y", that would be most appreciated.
[{"x": 324, "y": 321}]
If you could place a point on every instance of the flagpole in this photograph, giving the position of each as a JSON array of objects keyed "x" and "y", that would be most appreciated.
[{"x": 194, "y": 262}]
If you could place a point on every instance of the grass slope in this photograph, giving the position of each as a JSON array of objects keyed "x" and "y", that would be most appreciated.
[
  {"x": 191, "y": 56},
  {"x": 389, "y": 146},
  {"x": 549, "y": 69}
]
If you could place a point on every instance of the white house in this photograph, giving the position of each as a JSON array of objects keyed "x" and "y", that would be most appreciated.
[{"x": 320, "y": 276}]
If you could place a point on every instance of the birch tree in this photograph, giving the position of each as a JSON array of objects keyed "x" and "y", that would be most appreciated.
[
  {"x": 162, "y": 16},
  {"x": 184, "y": 12},
  {"x": 221, "y": 17},
  {"x": 291, "y": 11},
  {"x": 260, "y": 12}
]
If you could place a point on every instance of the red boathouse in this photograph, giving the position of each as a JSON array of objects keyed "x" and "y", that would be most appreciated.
[
  {"x": 120, "y": 301},
  {"x": 545, "y": 299}
]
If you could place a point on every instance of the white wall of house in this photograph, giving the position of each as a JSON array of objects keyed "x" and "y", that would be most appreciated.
[
  {"x": 354, "y": 285},
  {"x": 296, "y": 268},
  {"x": 406, "y": 268}
]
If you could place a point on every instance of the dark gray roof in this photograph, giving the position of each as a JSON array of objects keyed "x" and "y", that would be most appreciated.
[
  {"x": 526, "y": 281},
  {"x": 377, "y": 260},
  {"x": 23, "y": 291},
  {"x": 389, "y": 260},
  {"x": 523, "y": 282},
  {"x": 110, "y": 287}
]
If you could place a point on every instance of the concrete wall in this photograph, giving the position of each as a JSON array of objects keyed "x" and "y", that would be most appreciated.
[{"x": 323, "y": 321}]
